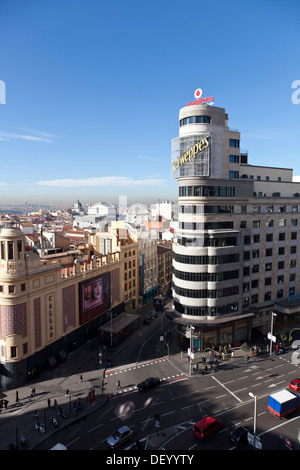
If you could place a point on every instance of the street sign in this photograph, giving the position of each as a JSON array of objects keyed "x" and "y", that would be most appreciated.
[
  {"x": 254, "y": 442},
  {"x": 273, "y": 338},
  {"x": 191, "y": 354}
]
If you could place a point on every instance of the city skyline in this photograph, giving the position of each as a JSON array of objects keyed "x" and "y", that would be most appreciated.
[{"x": 93, "y": 91}]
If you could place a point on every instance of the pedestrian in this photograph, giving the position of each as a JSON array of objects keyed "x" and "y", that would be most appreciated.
[
  {"x": 67, "y": 393},
  {"x": 80, "y": 378},
  {"x": 118, "y": 384},
  {"x": 6, "y": 403},
  {"x": 17, "y": 397},
  {"x": 55, "y": 403},
  {"x": 49, "y": 404}
]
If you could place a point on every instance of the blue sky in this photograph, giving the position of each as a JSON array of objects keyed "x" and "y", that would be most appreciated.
[{"x": 94, "y": 88}]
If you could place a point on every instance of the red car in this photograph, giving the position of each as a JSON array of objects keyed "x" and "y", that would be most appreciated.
[
  {"x": 207, "y": 426},
  {"x": 295, "y": 384}
]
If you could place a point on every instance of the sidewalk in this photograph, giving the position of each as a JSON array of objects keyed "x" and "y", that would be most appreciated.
[{"x": 18, "y": 420}]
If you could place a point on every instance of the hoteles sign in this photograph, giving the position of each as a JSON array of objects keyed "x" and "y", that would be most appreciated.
[
  {"x": 199, "y": 100},
  {"x": 191, "y": 153}
]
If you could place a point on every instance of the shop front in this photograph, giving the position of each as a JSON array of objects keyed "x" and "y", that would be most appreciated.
[{"x": 202, "y": 333}]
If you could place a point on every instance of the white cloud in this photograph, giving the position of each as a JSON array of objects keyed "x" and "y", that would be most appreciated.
[
  {"x": 104, "y": 181},
  {"x": 41, "y": 137}
]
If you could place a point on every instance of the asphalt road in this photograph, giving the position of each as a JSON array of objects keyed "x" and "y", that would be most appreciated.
[{"x": 182, "y": 400}]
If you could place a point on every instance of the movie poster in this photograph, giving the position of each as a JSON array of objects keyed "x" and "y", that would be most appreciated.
[{"x": 94, "y": 297}]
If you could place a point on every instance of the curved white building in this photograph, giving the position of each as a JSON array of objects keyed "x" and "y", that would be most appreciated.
[{"x": 221, "y": 254}]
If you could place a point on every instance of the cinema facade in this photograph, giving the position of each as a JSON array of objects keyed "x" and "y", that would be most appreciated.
[
  {"x": 235, "y": 250},
  {"x": 50, "y": 306}
]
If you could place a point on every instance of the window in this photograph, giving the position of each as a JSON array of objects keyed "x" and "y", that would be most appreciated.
[
  {"x": 268, "y": 267},
  {"x": 10, "y": 249},
  {"x": 268, "y": 281},
  {"x": 280, "y": 264},
  {"x": 281, "y": 250},
  {"x": 280, "y": 294},
  {"x": 1, "y": 288},
  {"x": 233, "y": 158},
  {"x": 293, "y": 249},
  {"x": 281, "y": 236},
  {"x": 269, "y": 223},
  {"x": 234, "y": 143},
  {"x": 233, "y": 174},
  {"x": 23, "y": 287},
  {"x": 19, "y": 245},
  {"x": 269, "y": 237},
  {"x": 256, "y": 224},
  {"x": 13, "y": 351},
  {"x": 11, "y": 289},
  {"x": 268, "y": 296},
  {"x": 269, "y": 252},
  {"x": 2, "y": 250}
]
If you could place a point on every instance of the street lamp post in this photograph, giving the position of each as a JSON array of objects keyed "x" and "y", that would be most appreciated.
[
  {"x": 254, "y": 418},
  {"x": 271, "y": 337},
  {"x": 190, "y": 357}
]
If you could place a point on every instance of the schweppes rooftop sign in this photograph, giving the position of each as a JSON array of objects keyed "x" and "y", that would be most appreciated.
[{"x": 191, "y": 153}]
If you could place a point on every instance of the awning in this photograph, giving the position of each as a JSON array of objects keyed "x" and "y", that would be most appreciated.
[{"x": 118, "y": 323}]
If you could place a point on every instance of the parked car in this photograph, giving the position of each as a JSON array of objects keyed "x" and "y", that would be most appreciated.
[
  {"x": 239, "y": 436},
  {"x": 295, "y": 384},
  {"x": 150, "y": 382},
  {"x": 122, "y": 435},
  {"x": 206, "y": 427}
]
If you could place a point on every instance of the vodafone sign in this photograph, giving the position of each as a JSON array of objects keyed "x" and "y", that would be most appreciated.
[
  {"x": 199, "y": 100},
  {"x": 198, "y": 93}
]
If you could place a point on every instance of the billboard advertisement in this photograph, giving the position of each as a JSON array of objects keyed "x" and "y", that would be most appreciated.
[
  {"x": 94, "y": 297},
  {"x": 191, "y": 155}
]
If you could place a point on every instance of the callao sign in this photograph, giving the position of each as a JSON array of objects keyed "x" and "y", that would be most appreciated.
[{"x": 199, "y": 100}]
